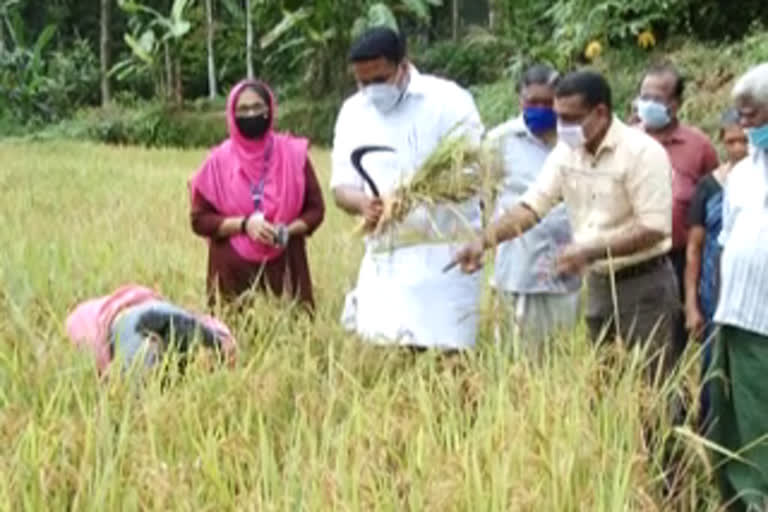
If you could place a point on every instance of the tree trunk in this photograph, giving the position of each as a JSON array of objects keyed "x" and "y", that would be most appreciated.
[
  {"x": 168, "y": 72},
  {"x": 105, "y": 54},
  {"x": 455, "y": 20},
  {"x": 211, "y": 61},
  {"x": 494, "y": 14},
  {"x": 178, "y": 88},
  {"x": 248, "y": 39}
]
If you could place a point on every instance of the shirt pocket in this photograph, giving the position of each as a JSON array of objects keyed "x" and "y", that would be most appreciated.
[{"x": 597, "y": 198}]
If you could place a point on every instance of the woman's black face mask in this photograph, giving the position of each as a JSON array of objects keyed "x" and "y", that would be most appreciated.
[{"x": 253, "y": 127}]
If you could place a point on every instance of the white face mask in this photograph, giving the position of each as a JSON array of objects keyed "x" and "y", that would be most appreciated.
[
  {"x": 571, "y": 134},
  {"x": 385, "y": 97},
  {"x": 653, "y": 114}
]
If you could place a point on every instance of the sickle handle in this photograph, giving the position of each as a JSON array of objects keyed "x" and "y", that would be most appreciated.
[{"x": 357, "y": 156}]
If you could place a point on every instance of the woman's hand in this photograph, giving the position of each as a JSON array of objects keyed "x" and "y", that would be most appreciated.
[{"x": 260, "y": 230}]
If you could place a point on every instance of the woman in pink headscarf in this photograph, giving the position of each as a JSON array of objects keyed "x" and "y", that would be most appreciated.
[{"x": 256, "y": 198}]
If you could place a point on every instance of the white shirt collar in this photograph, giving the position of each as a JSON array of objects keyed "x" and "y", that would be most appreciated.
[{"x": 417, "y": 84}]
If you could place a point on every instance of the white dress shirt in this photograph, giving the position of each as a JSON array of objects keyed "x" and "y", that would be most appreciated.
[
  {"x": 402, "y": 295},
  {"x": 527, "y": 263}
]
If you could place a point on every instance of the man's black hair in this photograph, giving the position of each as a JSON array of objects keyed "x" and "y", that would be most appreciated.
[
  {"x": 539, "y": 74},
  {"x": 590, "y": 85},
  {"x": 379, "y": 42},
  {"x": 663, "y": 68}
]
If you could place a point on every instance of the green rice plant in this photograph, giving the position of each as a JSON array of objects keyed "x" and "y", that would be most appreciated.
[{"x": 310, "y": 418}]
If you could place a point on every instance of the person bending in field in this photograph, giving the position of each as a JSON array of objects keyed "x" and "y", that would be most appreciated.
[
  {"x": 138, "y": 326},
  {"x": 256, "y": 199},
  {"x": 705, "y": 220}
]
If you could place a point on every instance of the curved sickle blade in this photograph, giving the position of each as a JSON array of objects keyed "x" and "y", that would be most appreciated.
[{"x": 357, "y": 156}]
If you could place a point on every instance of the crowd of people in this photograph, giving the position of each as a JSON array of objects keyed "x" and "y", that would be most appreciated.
[{"x": 670, "y": 242}]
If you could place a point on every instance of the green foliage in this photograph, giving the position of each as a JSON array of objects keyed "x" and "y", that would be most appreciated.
[
  {"x": 157, "y": 124},
  {"x": 310, "y": 418},
  {"x": 310, "y": 118},
  {"x": 36, "y": 86},
  {"x": 496, "y": 102},
  {"x": 477, "y": 59},
  {"x": 559, "y": 31},
  {"x": 314, "y": 39},
  {"x": 153, "y": 35}
]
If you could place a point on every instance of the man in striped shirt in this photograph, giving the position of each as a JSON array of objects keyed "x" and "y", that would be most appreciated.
[{"x": 740, "y": 358}]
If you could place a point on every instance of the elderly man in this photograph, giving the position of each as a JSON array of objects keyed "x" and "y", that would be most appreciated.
[
  {"x": 739, "y": 395},
  {"x": 692, "y": 155},
  {"x": 615, "y": 182},
  {"x": 536, "y": 300},
  {"x": 402, "y": 297}
]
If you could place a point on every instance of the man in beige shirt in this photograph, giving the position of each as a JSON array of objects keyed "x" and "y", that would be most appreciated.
[{"x": 616, "y": 183}]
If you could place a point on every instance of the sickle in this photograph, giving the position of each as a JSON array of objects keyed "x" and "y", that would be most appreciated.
[{"x": 357, "y": 156}]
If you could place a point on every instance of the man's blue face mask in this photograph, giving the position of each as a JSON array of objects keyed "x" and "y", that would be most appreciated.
[{"x": 540, "y": 119}]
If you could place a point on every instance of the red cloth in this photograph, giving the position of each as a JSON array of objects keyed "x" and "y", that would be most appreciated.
[
  {"x": 232, "y": 168},
  {"x": 693, "y": 156},
  {"x": 88, "y": 324}
]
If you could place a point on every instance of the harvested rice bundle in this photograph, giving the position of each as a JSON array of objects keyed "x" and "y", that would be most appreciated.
[{"x": 457, "y": 171}]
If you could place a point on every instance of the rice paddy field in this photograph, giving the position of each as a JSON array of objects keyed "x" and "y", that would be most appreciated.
[{"x": 309, "y": 419}]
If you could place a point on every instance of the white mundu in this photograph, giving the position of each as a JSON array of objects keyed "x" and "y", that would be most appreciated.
[{"x": 402, "y": 295}]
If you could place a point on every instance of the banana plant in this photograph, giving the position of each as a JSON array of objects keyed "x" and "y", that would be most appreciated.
[
  {"x": 318, "y": 35},
  {"x": 7, "y": 25},
  {"x": 152, "y": 33}
]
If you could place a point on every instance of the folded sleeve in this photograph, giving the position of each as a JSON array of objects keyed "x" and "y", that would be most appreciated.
[
  {"x": 649, "y": 187},
  {"x": 206, "y": 221}
]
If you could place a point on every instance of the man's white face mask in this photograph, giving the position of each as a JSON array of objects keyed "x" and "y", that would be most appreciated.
[
  {"x": 385, "y": 97},
  {"x": 571, "y": 133}
]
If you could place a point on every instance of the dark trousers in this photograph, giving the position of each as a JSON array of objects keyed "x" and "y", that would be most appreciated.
[
  {"x": 646, "y": 303},
  {"x": 680, "y": 334}
]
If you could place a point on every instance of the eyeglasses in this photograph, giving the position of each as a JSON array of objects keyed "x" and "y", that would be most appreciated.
[{"x": 251, "y": 110}]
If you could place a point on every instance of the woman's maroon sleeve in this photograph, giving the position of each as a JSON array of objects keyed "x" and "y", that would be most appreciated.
[
  {"x": 313, "y": 211},
  {"x": 206, "y": 221}
]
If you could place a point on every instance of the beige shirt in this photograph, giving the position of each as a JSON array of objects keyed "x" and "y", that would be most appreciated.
[{"x": 626, "y": 183}]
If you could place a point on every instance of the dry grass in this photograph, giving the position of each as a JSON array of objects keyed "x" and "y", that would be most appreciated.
[{"x": 310, "y": 419}]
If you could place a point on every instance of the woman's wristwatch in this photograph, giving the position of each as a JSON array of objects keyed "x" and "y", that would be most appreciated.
[{"x": 244, "y": 224}]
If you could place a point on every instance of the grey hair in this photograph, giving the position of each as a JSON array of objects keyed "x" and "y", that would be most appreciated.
[
  {"x": 753, "y": 86},
  {"x": 539, "y": 74}
]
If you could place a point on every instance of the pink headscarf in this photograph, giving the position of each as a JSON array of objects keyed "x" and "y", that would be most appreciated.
[
  {"x": 226, "y": 177},
  {"x": 88, "y": 325}
]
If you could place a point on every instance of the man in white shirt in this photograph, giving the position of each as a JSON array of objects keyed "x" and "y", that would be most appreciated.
[
  {"x": 535, "y": 300},
  {"x": 739, "y": 395},
  {"x": 402, "y": 296}
]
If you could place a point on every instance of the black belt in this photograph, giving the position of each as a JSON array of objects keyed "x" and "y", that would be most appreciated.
[{"x": 639, "y": 268}]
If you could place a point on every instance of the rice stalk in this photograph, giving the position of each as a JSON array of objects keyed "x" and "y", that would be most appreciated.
[{"x": 457, "y": 171}]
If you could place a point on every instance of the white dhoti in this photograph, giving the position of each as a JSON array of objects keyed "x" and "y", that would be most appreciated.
[{"x": 403, "y": 297}]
